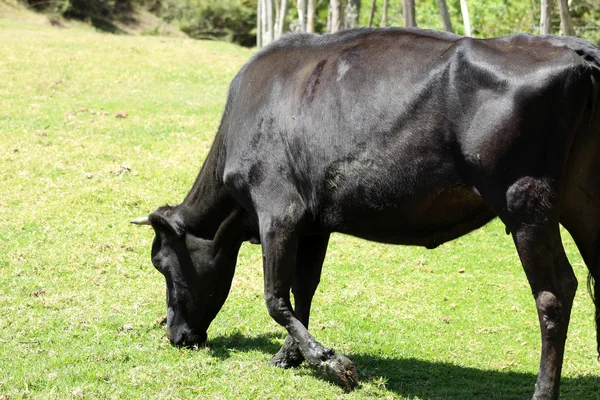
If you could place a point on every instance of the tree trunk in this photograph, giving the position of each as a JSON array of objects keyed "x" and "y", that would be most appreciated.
[
  {"x": 372, "y": 13},
  {"x": 336, "y": 11},
  {"x": 385, "y": 12},
  {"x": 566, "y": 24},
  {"x": 351, "y": 14},
  {"x": 546, "y": 18},
  {"x": 445, "y": 15},
  {"x": 302, "y": 14},
  {"x": 310, "y": 16},
  {"x": 263, "y": 13},
  {"x": 408, "y": 8},
  {"x": 276, "y": 20},
  {"x": 259, "y": 24},
  {"x": 465, "y": 13},
  {"x": 270, "y": 31},
  {"x": 282, "y": 14}
]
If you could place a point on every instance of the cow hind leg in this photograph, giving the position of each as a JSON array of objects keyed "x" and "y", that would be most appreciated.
[
  {"x": 280, "y": 248},
  {"x": 533, "y": 221},
  {"x": 307, "y": 274},
  {"x": 593, "y": 284},
  {"x": 581, "y": 217},
  {"x": 553, "y": 285},
  {"x": 586, "y": 235}
]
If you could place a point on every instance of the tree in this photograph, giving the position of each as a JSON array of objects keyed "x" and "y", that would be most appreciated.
[
  {"x": 373, "y": 4},
  {"x": 351, "y": 14},
  {"x": 281, "y": 19},
  {"x": 465, "y": 13},
  {"x": 445, "y": 15},
  {"x": 385, "y": 12},
  {"x": 310, "y": 16},
  {"x": 546, "y": 17},
  {"x": 408, "y": 8},
  {"x": 267, "y": 23},
  {"x": 259, "y": 42},
  {"x": 301, "y": 5},
  {"x": 335, "y": 8},
  {"x": 270, "y": 25},
  {"x": 566, "y": 24}
]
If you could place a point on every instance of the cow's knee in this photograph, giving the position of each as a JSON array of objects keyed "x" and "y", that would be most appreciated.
[
  {"x": 554, "y": 308},
  {"x": 549, "y": 308},
  {"x": 278, "y": 309}
]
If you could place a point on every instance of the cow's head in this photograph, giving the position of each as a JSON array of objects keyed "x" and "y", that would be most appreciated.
[{"x": 198, "y": 274}]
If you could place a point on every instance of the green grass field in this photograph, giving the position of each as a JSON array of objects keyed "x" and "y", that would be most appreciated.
[{"x": 97, "y": 129}]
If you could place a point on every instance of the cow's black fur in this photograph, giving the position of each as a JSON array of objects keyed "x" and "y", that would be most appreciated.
[{"x": 401, "y": 136}]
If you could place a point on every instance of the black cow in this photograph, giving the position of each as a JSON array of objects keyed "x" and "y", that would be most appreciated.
[{"x": 400, "y": 136}]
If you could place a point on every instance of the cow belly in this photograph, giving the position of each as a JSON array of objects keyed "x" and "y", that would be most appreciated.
[{"x": 421, "y": 221}]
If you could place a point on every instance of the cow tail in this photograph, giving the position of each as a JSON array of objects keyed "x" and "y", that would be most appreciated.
[
  {"x": 591, "y": 54},
  {"x": 593, "y": 281},
  {"x": 593, "y": 285}
]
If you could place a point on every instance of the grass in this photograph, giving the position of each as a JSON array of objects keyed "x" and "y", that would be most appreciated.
[{"x": 97, "y": 129}]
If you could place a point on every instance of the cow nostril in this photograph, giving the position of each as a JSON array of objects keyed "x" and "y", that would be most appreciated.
[
  {"x": 177, "y": 340},
  {"x": 176, "y": 336}
]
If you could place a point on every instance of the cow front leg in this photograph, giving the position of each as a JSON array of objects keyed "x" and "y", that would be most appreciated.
[
  {"x": 280, "y": 248},
  {"x": 307, "y": 274},
  {"x": 553, "y": 284}
]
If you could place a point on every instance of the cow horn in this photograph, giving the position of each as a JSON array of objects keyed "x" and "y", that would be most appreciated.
[{"x": 141, "y": 221}]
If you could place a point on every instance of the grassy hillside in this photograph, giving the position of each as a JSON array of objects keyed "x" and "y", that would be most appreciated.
[{"x": 97, "y": 129}]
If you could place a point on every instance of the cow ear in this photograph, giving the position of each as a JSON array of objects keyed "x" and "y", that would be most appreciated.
[{"x": 167, "y": 219}]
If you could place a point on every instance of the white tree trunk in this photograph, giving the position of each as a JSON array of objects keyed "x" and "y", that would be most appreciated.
[
  {"x": 465, "y": 13},
  {"x": 351, "y": 14},
  {"x": 270, "y": 30},
  {"x": 301, "y": 5},
  {"x": 310, "y": 16},
  {"x": 445, "y": 15},
  {"x": 276, "y": 19},
  {"x": 546, "y": 18},
  {"x": 566, "y": 24},
  {"x": 408, "y": 8},
  {"x": 259, "y": 24},
  {"x": 336, "y": 15},
  {"x": 282, "y": 15},
  {"x": 263, "y": 23}
]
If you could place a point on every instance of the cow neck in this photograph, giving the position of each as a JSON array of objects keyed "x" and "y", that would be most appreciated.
[{"x": 208, "y": 203}]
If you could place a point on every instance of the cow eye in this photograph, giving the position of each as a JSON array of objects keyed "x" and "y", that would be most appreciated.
[
  {"x": 156, "y": 262},
  {"x": 158, "y": 256}
]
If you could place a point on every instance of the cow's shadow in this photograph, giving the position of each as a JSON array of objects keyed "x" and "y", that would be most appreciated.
[
  {"x": 437, "y": 380},
  {"x": 413, "y": 378},
  {"x": 221, "y": 346}
]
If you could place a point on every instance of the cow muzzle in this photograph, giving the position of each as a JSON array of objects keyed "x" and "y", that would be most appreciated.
[{"x": 184, "y": 337}]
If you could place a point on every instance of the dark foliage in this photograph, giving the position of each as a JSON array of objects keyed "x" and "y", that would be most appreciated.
[{"x": 232, "y": 20}]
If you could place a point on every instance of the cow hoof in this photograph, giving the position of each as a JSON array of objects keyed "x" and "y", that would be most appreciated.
[
  {"x": 287, "y": 358},
  {"x": 342, "y": 371}
]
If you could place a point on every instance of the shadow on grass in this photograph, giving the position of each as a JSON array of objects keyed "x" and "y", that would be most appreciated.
[
  {"x": 221, "y": 346},
  {"x": 410, "y": 378},
  {"x": 433, "y": 380},
  {"x": 104, "y": 25}
]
